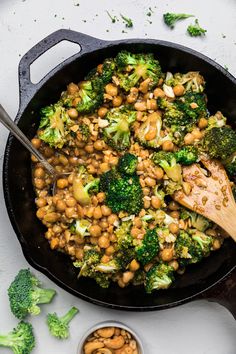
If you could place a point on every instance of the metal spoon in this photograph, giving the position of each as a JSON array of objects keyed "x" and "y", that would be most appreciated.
[{"x": 6, "y": 120}]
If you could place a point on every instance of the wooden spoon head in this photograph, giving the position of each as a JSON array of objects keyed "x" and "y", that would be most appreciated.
[{"x": 211, "y": 193}]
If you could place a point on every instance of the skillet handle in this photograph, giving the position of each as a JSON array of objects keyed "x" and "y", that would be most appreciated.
[
  {"x": 224, "y": 293},
  {"x": 26, "y": 87}
]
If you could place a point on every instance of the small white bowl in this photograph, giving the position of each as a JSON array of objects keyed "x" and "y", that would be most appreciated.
[{"x": 110, "y": 324}]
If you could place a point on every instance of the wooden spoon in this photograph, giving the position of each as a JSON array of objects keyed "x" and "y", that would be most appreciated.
[{"x": 210, "y": 195}]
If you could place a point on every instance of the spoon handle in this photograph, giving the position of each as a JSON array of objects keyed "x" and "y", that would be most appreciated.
[{"x": 13, "y": 128}]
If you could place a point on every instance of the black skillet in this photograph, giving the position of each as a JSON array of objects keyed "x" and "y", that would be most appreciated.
[{"x": 213, "y": 279}]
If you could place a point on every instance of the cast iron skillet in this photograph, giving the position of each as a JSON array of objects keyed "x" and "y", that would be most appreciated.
[{"x": 214, "y": 278}]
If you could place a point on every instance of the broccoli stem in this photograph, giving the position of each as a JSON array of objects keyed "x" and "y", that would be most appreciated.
[
  {"x": 43, "y": 296},
  {"x": 69, "y": 315}
]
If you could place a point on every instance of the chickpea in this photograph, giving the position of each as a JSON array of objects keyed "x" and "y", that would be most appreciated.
[
  {"x": 102, "y": 111},
  {"x": 117, "y": 101},
  {"x": 134, "y": 265},
  {"x": 104, "y": 225},
  {"x": 146, "y": 191},
  {"x": 91, "y": 169},
  {"x": 174, "y": 228},
  {"x": 56, "y": 229},
  {"x": 174, "y": 264},
  {"x": 138, "y": 222},
  {"x": 36, "y": 143},
  {"x": 51, "y": 217},
  {"x": 178, "y": 90},
  {"x": 72, "y": 88},
  {"x": 193, "y": 105},
  {"x": 89, "y": 148},
  {"x": 150, "y": 182},
  {"x": 188, "y": 139},
  {"x": 73, "y": 113},
  {"x": 105, "y": 258},
  {"x": 166, "y": 254},
  {"x": 173, "y": 206},
  {"x": 89, "y": 212},
  {"x": 70, "y": 213},
  {"x": 33, "y": 158},
  {"x": 41, "y": 202},
  {"x": 146, "y": 203},
  {"x": 113, "y": 160},
  {"x": 103, "y": 242},
  {"x": 211, "y": 232},
  {"x": 94, "y": 240},
  {"x": 159, "y": 173},
  {"x": 76, "y": 101},
  {"x": 104, "y": 167},
  {"x": 63, "y": 160},
  {"x": 155, "y": 202},
  {"x": 159, "y": 93},
  {"x": 111, "y": 89},
  {"x": 110, "y": 250},
  {"x": 95, "y": 230},
  {"x": 39, "y": 183},
  {"x": 101, "y": 197},
  {"x": 216, "y": 244},
  {"x": 99, "y": 145},
  {"x": 197, "y": 134},
  {"x": 135, "y": 232},
  {"x": 97, "y": 214},
  {"x": 175, "y": 214},
  {"x": 71, "y": 202},
  {"x": 112, "y": 218},
  {"x": 60, "y": 205},
  {"x": 79, "y": 254},
  {"x": 54, "y": 243},
  {"x": 121, "y": 283},
  {"x": 62, "y": 183},
  {"x": 39, "y": 172},
  {"x": 203, "y": 123},
  {"x": 106, "y": 211},
  {"x": 152, "y": 104},
  {"x": 40, "y": 213},
  {"x": 127, "y": 276},
  {"x": 167, "y": 145},
  {"x": 140, "y": 106}
]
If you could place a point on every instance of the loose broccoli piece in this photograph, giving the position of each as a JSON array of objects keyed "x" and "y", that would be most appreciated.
[
  {"x": 21, "y": 339},
  {"x": 187, "y": 250},
  {"x": 194, "y": 30},
  {"x": 124, "y": 238},
  {"x": 80, "y": 227},
  {"x": 142, "y": 66},
  {"x": 220, "y": 143},
  {"x": 149, "y": 132},
  {"x": 128, "y": 21},
  {"x": 59, "y": 326},
  {"x": 91, "y": 94},
  {"x": 168, "y": 162},
  {"x": 187, "y": 155},
  {"x": 117, "y": 133},
  {"x": 171, "y": 18},
  {"x": 83, "y": 185},
  {"x": 25, "y": 295},
  {"x": 127, "y": 164},
  {"x": 216, "y": 121},
  {"x": 139, "y": 277},
  {"x": 123, "y": 192},
  {"x": 198, "y": 221},
  {"x": 192, "y": 81},
  {"x": 54, "y": 125},
  {"x": 160, "y": 276},
  {"x": 148, "y": 248},
  {"x": 204, "y": 241}
]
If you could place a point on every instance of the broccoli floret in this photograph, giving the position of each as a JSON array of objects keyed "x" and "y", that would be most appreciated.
[
  {"x": 108, "y": 69},
  {"x": 220, "y": 143},
  {"x": 124, "y": 256},
  {"x": 109, "y": 267},
  {"x": 141, "y": 66},
  {"x": 187, "y": 155},
  {"x": 21, "y": 339},
  {"x": 204, "y": 241},
  {"x": 127, "y": 164},
  {"x": 160, "y": 276},
  {"x": 192, "y": 81},
  {"x": 139, "y": 277},
  {"x": 128, "y": 21},
  {"x": 193, "y": 105},
  {"x": 216, "y": 121},
  {"x": 80, "y": 227},
  {"x": 54, "y": 125},
  {"x": 198, "y": 221},
  {"x": 25, "y": 295},
  {"x": 117, "y": 133},
  {"x": 124, "y": 238},
  {"x": 83, "y": 185},
  {"x": 171, "y": 18},
  {"x": 194, "y": 30},
  {"x": 149, "y": 132},
  {"x": 123, "y": 192},
  {"x": 91, "y": 95},
  {"x": 168, "y": 162},
  {"x": 59, "y": 326},
  {"x": 148, "y": 248},
  {"x": 187, "y": 250}
]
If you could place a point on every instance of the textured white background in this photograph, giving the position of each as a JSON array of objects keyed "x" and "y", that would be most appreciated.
[{"x": 196, "y": 328}]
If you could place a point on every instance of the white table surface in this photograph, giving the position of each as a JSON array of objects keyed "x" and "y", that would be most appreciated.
[{"x": 197, "y": 327}]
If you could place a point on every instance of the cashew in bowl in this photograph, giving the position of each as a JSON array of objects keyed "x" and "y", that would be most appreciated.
[
  {"x": 106, "y": 332},
  {"x": 114, "y": 343},
  {"x": 90, "y": 347}
]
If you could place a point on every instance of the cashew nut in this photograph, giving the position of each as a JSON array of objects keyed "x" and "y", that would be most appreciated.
[
  {"x": 106, "y": 332},
  {"x": 126, "y": 349},
  {"x": 90, "y": 347},
  {"x": 104, "y": 351},
  {"x": 114, "y": 343}
]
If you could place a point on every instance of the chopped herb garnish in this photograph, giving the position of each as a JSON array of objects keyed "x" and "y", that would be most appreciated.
[
  {"x": 113, "y": 18},
  {"x": 128, "y": 22},
  {"x": 226, "y": 67}
]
